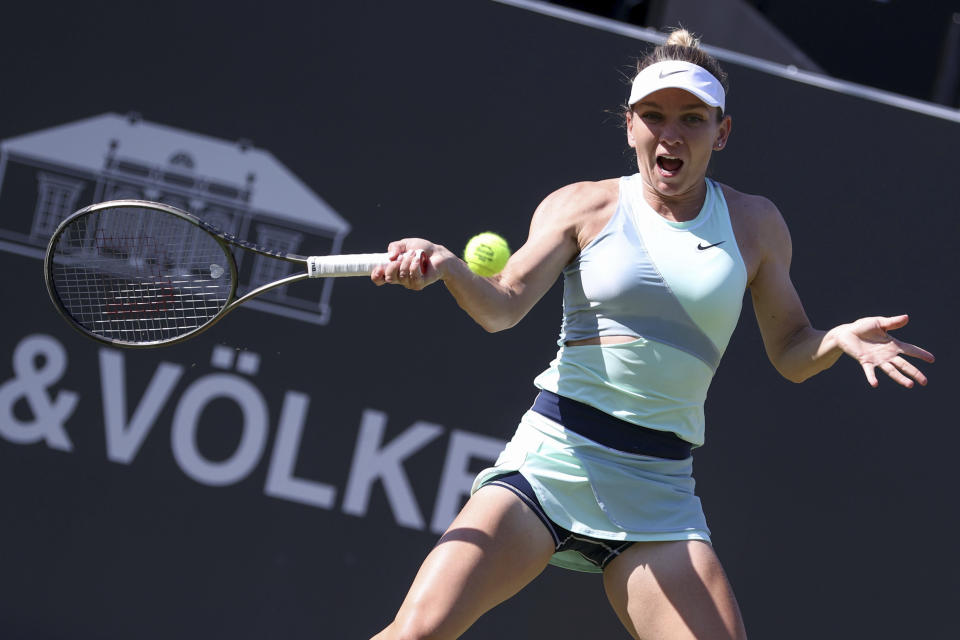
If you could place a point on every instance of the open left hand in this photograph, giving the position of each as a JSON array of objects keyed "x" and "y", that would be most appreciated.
[{"x": 867, "y": 341}]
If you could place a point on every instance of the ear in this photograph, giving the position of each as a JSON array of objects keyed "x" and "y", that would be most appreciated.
[
  {"x": 631, "y": 140},
  {"x": 723, "y": 133}
]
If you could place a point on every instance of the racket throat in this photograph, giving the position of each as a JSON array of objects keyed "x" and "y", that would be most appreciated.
[{"x": 267, "y": 287}]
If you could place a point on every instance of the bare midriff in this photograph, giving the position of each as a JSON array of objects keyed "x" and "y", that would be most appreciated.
[{"x": 601, "y": 340}]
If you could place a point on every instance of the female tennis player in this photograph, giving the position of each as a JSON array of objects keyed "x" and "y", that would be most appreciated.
[{"x": 598, "y": 475}]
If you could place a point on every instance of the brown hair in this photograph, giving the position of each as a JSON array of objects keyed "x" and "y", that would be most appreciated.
[{"x": 683, "y": 45}]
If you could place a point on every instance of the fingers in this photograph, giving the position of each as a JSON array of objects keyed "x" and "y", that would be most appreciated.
[
  {"x": 868, "y": 371},
  {"x": 909, "y": 370},
  {"x": 916, "y": 352},
  {"x": 900, "y": 371},
  {"x": 893, "y": 322},
  {"x": 407, "y": 267},
  {"x": 386, "y": 274},
  {"x": 897, "y": 322},
  {"x": 896, "y": 375},
  {"x": 396, "y": 248}
]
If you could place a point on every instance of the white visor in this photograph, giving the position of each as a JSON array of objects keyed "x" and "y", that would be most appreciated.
[{"x": 677, "y": 74}]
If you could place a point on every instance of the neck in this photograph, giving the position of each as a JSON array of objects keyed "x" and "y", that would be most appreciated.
[{"x": 677, "y": 207}]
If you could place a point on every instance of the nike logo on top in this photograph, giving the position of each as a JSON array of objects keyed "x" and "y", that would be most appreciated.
[
  {"x": 716, "y": 244},
  {"x": 670, "y": 73}
]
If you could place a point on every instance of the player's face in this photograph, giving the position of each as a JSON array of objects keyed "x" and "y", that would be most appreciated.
[{"x": 674, "y": 133}]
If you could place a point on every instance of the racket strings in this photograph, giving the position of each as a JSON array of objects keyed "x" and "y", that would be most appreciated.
[{"x": 135, "y": 275}]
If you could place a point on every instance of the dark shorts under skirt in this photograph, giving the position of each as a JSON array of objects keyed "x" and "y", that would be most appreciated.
[
  {"x": 597, "y": 551},
  {"x": 596, "y": 492}
]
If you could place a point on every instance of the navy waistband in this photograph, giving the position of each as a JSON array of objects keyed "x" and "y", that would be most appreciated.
[{"x": 609, "y": 431}]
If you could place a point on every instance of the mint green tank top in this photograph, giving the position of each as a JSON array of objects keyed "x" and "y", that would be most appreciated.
[{"x": 676, "y": 287}]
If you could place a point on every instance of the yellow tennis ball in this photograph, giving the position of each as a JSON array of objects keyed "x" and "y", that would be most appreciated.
[{"x": 486, "y": 254}]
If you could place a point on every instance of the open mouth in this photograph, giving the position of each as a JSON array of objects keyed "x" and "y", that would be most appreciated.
[{"x": 669, "y": 165}]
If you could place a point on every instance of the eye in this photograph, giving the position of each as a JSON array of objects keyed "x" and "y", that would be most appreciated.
[
  {"x": 693, "y": 118},
  {"x": 651, "y": 116}
]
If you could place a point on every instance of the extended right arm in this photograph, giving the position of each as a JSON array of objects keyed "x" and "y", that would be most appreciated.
[{"x": 558, "y": 227}]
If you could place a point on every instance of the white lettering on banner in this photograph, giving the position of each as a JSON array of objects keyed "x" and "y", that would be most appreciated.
[
  {"x": 30, "y": 381},
  {"x": 456, "y": 480},
  {"x": 372, "y": 462},
  {"x": 40, "y": 361},
  {"x": 186, "y": 418},
  {"x": 280, "y": 480},
  {"x": 125, "y": 439}
]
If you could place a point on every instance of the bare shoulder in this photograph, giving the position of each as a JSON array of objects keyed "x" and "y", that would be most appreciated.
[
  {"x": 759, "y": 227},
  {"x": 758, "y": 209},
  {"x": 584, "y": 196},
  {"x": 580, "y": 208}
]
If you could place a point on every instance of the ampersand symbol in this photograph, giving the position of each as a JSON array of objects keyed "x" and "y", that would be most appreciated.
[{"x": 30, "y": 381}]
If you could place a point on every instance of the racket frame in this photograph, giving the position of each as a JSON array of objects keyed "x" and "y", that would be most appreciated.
[
  {"x": 313, "y": 267},
  {"x": 222, "y": 238}
]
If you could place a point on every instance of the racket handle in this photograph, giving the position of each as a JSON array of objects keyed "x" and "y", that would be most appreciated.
[{"x": 357, "y": 264}]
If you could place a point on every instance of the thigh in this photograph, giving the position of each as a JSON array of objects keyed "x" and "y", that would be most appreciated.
[
  {"x": 494, "y": 548},
  {"x": 673, "y": 590}
]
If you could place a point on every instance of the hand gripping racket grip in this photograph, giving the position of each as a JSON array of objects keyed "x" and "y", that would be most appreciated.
[{"x": 358, "y": 264}]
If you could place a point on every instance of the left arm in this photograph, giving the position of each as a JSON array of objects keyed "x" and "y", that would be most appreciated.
[{"x": 796, "y": 349}]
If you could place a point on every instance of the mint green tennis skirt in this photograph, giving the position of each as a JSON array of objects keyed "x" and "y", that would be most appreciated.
[{"x": 601, "y": 492}]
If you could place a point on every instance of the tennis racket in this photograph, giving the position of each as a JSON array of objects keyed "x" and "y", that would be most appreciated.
[{"x": 134, "y": 273}]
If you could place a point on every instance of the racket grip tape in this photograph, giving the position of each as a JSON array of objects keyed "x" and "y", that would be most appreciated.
[{"x": 358, "y": 264}]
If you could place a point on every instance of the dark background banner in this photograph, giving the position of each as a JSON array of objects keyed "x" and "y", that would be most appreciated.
[{"x": 284, "y": 478}]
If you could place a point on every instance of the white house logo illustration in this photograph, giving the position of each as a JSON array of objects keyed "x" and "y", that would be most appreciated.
[{"x": 48, "y": 174}]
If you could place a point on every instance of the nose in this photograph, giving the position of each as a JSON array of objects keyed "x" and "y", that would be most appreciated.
[{"x": 670, "y": 135}]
